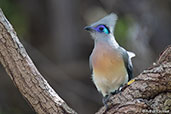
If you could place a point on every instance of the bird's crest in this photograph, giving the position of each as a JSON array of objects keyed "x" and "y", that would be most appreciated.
[{"x": 109, "y": 21}]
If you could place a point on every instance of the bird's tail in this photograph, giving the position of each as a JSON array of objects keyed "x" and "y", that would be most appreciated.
[{"x": 131, "y": 54}]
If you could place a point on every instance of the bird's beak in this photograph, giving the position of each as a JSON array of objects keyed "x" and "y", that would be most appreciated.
[{"x": 89, "y": 28}]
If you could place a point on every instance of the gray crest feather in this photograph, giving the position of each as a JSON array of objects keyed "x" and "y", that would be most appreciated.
[{"x": 109, "y": 21}]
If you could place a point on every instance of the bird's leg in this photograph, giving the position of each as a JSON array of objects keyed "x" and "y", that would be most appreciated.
[
  {"x": 105, "y": 100},
  {"x": 107, "y": 97}
]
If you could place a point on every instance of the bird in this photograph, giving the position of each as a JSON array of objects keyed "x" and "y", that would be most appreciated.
[{"x": 110, "y": 63}]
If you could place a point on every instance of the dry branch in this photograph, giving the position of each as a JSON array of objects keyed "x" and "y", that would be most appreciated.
[{"x": 25, "y": 75}]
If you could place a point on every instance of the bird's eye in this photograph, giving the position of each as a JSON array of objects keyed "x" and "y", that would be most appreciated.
[{"x": 102, "y": 29}]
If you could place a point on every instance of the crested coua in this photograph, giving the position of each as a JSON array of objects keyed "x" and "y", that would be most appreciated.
[{"x": 111, "y": 64}]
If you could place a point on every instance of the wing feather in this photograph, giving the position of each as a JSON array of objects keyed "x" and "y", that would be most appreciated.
[{"x": 127, "y": 61}]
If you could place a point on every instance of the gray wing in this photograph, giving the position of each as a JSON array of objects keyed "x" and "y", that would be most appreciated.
[{"x": 127, "y": 62}]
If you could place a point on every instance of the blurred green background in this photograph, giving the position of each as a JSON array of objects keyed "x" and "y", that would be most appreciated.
[{"x": 52, "y": 33}]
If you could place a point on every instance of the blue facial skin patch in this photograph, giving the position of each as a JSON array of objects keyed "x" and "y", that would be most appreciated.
[{"x": 102, "y": 28}]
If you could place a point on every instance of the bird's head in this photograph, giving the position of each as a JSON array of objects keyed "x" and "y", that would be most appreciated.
[{"x": 103, "y": 28}]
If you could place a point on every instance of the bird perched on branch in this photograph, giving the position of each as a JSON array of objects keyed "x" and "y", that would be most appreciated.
[{"x": 111, "y": 64}]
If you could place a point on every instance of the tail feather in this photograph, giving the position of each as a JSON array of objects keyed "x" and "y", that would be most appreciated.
[{"x": 131, "y": 54}]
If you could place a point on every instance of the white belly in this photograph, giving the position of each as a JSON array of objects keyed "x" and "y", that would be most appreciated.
[{"x": 106, "y": 86}]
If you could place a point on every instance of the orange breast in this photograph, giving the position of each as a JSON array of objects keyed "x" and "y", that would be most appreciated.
[{"x": 107, "y": 62}]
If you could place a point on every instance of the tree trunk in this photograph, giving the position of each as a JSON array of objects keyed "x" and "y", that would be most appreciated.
[
  {"x": 25, "y": 75},
  {"x": 149, "y": 93}
]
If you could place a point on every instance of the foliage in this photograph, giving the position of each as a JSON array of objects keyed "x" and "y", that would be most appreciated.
[{"x": 16, "y": 15}]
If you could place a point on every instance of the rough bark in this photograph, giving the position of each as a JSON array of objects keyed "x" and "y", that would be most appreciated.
[
  {"x": 150, "y": 92},
  {"x": 25, "y": 75}
]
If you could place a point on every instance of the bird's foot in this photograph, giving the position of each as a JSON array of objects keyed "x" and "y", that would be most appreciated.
[{"x": 105, "y": 100}]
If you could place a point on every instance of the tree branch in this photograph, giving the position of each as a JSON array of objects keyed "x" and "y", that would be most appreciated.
[{"x": 25, "y": 75}]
